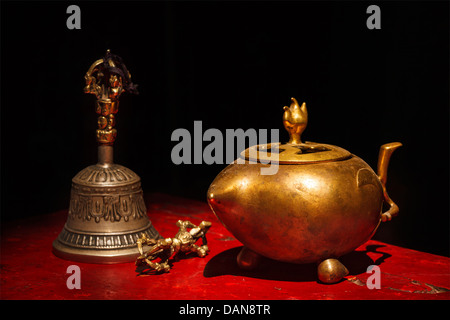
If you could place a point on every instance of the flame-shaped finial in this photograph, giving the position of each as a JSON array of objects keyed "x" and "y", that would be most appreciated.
[{"x": 295, "y": 119}]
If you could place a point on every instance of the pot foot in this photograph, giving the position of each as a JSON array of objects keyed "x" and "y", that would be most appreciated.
[
  {"x": 248, "y": 259},
  {"x": 331, "y": 271}
]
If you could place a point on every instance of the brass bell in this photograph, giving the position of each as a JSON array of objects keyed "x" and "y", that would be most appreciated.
[{"x": 107, "y": 212}]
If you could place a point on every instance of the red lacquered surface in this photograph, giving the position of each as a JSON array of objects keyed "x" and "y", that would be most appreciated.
[{"x": 29, "y": 270}]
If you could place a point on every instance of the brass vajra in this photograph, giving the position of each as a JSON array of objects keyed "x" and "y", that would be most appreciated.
[{"x": 183, "y": 242}]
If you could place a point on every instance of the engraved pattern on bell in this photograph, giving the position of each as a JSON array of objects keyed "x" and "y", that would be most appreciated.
[
  {"x": 103, "y": 241},
  {"x": 107, "y": 196},
  {"x": 107, "y": 212},
  {"x": 113, "y": 174}
]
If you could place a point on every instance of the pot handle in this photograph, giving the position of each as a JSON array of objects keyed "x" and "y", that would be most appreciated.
[{"x": 384, "y": 156}]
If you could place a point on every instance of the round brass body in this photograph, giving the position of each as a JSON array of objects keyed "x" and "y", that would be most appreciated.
[{"x": 304, "y": 213}]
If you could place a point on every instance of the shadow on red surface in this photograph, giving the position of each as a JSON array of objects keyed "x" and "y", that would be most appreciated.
[{"x": 224, "y": 263}]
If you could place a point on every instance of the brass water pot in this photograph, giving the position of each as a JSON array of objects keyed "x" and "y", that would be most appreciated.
[{"x": 322, "y": 203}]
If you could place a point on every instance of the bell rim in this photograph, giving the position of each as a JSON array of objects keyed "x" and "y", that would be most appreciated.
[{"x": 94, "y": 256}]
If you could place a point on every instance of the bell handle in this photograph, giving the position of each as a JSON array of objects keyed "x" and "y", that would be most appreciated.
[{"x": 384, "y": 156}]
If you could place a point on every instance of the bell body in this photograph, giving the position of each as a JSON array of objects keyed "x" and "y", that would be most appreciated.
[
  {"x": 107, "y": 215},
  {"x": 304, "y": 213}
]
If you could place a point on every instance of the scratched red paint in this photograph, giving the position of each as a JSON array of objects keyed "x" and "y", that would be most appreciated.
[{"x": 29, "y": 270}]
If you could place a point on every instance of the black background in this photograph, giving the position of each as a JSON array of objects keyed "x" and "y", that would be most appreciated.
[{"x": 230, "y": 65}]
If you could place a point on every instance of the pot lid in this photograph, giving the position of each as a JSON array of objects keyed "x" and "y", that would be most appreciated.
[{"x": 295, "y": 119}]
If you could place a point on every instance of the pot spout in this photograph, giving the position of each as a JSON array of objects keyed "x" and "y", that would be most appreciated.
[{"x": 384, "y": 156}]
